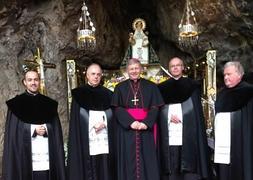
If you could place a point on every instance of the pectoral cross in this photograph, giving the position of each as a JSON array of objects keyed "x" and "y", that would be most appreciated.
[{"x": 135, "y": 100}]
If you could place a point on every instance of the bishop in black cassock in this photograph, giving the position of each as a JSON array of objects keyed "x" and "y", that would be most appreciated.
[
  {"x": 236, "y": 99},
  {"x": 92, "y": 97},
  {"x": 136, "y": 102},
  {"x": 188, "y": 160}
]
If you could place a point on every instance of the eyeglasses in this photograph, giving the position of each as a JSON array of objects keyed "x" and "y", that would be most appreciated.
[{"x": 176, "y": 65}]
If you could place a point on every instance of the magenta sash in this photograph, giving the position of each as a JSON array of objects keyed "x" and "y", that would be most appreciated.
[{"x": 139, "y": 114}]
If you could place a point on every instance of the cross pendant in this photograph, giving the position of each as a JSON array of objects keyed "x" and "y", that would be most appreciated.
[{"x": 135, "y": 100}]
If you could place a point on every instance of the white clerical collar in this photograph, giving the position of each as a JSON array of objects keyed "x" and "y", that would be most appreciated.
[
  {"x": 177, "y": 78},
  {"x": 31, "y": 93},
  {"x": 92, "y": 85}
]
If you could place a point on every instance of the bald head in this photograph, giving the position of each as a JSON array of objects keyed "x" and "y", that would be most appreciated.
[
  {"x": 176, "y": 67},
  {"x": 94, "y": 74}
]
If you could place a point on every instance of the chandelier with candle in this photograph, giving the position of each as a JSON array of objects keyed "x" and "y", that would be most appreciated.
[
  {"x": 188, "y": 28},
  {"x": 86, "y": 31}
]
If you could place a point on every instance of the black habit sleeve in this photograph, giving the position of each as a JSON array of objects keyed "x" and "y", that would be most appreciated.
[
  {"x": 76, "y": 152},
  {"x": 151, "y": 117},
  {"x": 17, "y": 155},
  {"x": 124, "y": 118}
]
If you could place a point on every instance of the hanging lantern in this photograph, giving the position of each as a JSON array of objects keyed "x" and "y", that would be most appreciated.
[
  {"x": 188, "y": 27},
  {"x": 86, "y": 39}
]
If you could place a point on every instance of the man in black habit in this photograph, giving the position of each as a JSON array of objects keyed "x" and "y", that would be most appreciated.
[
  {"x": 234, "y": 126},
  {"x": 183, "y": 143},
  {"x": 136, "y": 102},
  {"x": 33, "y": 145},
  {"x": 90, "y": 152}
]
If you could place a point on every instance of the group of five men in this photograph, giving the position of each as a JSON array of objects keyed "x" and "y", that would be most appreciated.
[{"x": 141, "y": 131}]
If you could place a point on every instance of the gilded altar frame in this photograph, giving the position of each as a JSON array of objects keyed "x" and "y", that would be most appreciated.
[{"x": 210, "y": 90}]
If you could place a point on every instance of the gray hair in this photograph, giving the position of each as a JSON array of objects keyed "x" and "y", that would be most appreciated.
[
  {"x": 133, "y": 61},
  {"x": 238, "y": 66}
]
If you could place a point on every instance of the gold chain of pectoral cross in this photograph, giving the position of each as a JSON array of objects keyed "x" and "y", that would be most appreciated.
[{"x": 135, "y": 99}]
